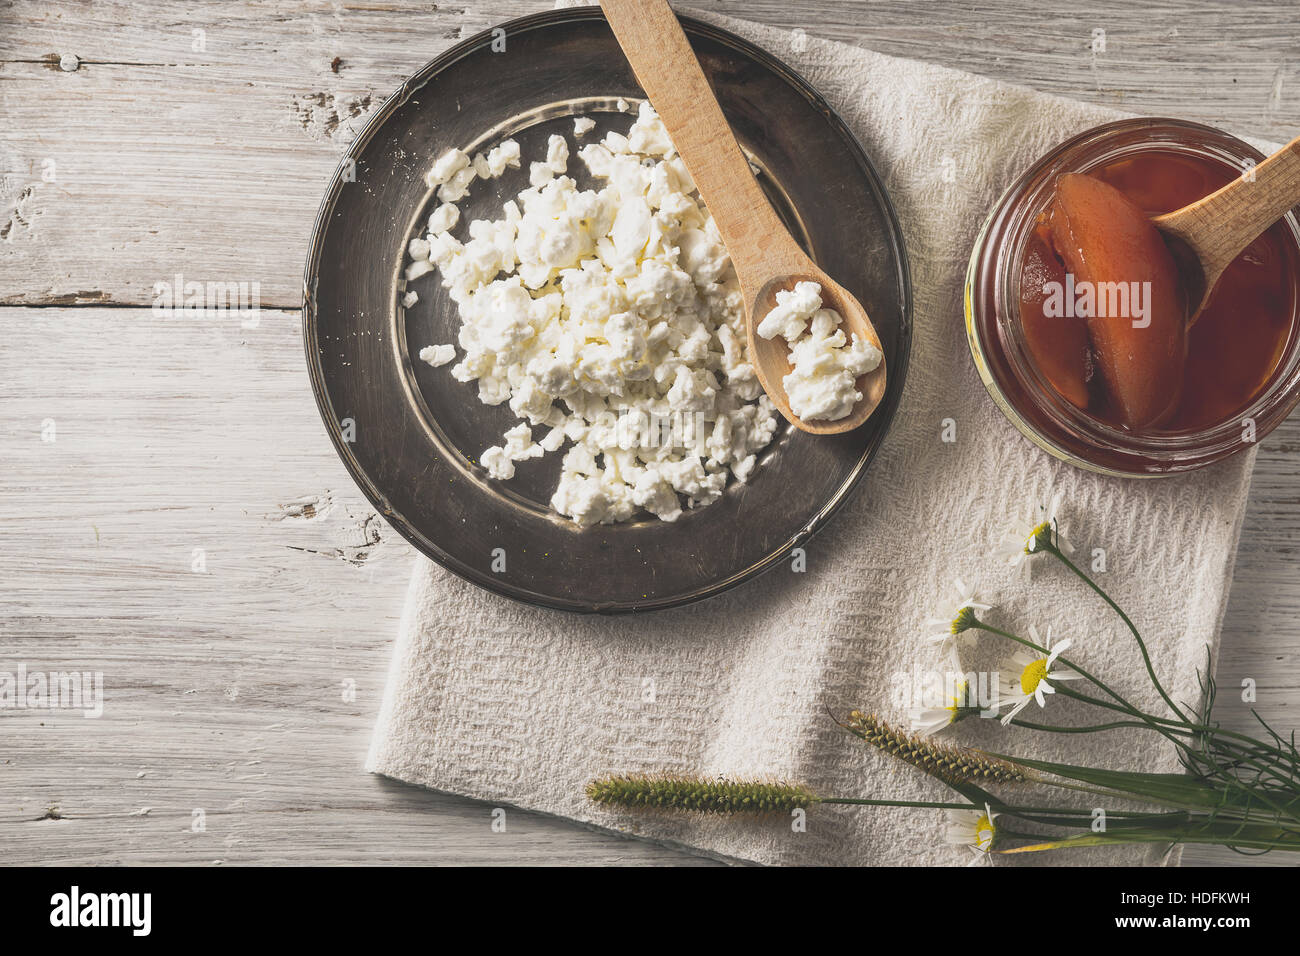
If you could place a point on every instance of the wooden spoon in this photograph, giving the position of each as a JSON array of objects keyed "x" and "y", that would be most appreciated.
[
  {"x": 766, "y": 257},
  {"x": 1210, "y": 233}
]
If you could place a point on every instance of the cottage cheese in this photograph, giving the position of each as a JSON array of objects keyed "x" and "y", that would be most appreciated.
[
  {"x": 825, "y": 367},
  {"x": 607, "y": 318},
  {"x": 438, "y": 355}
]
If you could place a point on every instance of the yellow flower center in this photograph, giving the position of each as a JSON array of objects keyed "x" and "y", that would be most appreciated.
[
  {"x": 958, "y": 696},
  {"x": 984, "y": 832},
  {"x": 1043, "y": 532},
  {"x": 1033, "y": 675}
]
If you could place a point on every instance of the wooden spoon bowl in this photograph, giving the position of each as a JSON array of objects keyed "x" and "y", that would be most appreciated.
[{"x": 771, "y": 357}]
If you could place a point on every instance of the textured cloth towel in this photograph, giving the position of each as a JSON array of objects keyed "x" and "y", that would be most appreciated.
[{"x": 495, "y": 700}]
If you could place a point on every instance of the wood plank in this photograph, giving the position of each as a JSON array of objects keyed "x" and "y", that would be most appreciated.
[
  {"x": 1260, "y": 640},
  {"x": 212, "y": 162},
  {"x": 223, "y": 688}
]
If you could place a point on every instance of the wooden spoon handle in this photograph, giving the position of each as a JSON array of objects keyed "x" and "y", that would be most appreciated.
[
  {"x": 666, "y": 67},
  {"x": 1225, "y": 222}
]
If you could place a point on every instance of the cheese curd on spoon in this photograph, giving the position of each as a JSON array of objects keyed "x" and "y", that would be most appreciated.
[
  {"x": 608, "y": 318},
  {"x": 825, "y": 366}
]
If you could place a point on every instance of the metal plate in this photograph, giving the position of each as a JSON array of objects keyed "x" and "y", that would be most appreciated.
[{"x": 410, "y": 434}]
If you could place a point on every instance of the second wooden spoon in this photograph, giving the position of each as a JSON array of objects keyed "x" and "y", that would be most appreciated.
[{"x": 1217, "y": 228}]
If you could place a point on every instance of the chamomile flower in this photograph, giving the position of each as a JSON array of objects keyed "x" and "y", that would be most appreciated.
[
  {"x": 957, "y": 613},
  {"x": 1047, "y": 529},
  {"x": 974, "y": 829},
  {"x": 931, "y": 719},
  {"x": 1031, "y": 675}
]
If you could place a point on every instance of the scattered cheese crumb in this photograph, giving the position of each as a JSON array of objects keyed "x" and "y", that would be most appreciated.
[
  {"x": 444, "y": 218},
  {"x": 437, "y": 355},
  {"x": 445, "y": 167}
]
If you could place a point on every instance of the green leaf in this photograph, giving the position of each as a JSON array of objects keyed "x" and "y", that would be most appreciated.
[{"x": 1167, "y": 788}]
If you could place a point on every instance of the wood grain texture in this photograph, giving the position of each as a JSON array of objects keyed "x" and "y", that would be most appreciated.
[
  {"x": 211, "y": 162},
  {"x": 225, "y": 687}
]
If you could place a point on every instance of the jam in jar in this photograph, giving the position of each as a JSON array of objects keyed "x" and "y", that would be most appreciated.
[{"x": 1076, "y": 308}]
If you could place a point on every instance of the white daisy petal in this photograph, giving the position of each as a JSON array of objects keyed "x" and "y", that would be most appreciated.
[
  {"x": 1057, "y": 650},
  {"x": 1016, "y": 546},
  {"x": 1020, "y": 705},
  {"x": 1028, "y": 675},
  {"x": 953, "y": 615},
  {"x": 973, "y": 829}
]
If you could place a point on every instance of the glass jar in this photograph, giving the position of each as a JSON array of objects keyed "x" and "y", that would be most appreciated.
[{"x": 996, "y": 334}]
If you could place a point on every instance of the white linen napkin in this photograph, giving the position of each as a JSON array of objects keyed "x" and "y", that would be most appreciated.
[{"x": 495, "y": 700}]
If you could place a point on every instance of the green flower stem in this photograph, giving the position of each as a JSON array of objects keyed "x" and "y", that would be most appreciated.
[
  {"x": 1125, "y": 706},
  {"x": 1166, "y": 727},
  {"x": 981, "y": 626},
  {"x": 1075, "y": 817},
  {"x": 1004, "y": 832},
  {"x": 1180, "y": 726},
  {"x": 1151, "y": 722},
  {"x": 1052, "y": 548},
  {"x": 1086, "y": 729},
  {"x": 1182, "y": 722},
  {"x": 1246, "y": 755},
  {"x": 1171, "y": 790},
  {"x": 1135, "y": 792},
  {"x": 1252, "y": 837},
  {"x": 1114, "y": 793},
  {"x": 1010, "y": 809},
  {"x": 1216, "y": 733},
  {"x": 1255, "y": 793},
  {"x": 1238, "y": 758},
  {"x": 1193, "y": 730},
  {"x": 930, "y": 804}
]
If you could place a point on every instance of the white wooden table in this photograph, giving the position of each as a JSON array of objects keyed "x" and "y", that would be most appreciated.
[{"x": 196, "y": 140}]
